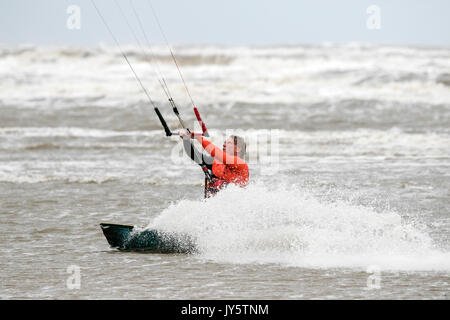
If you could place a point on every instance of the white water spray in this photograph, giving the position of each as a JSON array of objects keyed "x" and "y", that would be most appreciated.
[{"x": 290, "y": 227}]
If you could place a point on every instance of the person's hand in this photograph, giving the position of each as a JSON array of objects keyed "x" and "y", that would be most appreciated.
[{"x": 184, "y": 134}]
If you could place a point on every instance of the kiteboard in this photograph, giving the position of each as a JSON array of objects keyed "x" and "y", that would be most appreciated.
[{"x": 129, "y": 238}]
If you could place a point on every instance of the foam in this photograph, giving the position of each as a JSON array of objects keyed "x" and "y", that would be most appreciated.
[
  {"x": 289, "y": 227},
  {"x": 222, "y": 74}
]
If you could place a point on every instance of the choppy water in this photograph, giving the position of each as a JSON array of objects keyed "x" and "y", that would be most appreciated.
[{"x": 360, "y": 182}]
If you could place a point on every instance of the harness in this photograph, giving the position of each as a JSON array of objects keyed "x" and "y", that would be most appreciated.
[{"x": 214, "y": 185}]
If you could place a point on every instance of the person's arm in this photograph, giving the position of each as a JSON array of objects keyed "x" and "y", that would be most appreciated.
[
  {"x": 198, "y": 157},
  {"x": 218, "y": 154}
]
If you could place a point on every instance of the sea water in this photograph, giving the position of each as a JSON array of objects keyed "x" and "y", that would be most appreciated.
[{"x": 354, "y": 202}]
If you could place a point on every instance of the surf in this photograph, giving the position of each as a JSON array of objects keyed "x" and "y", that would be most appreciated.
[{"x": 290, "y": 227}]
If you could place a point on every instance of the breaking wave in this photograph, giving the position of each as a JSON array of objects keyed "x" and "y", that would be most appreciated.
[{"x": 254, "y": 74}]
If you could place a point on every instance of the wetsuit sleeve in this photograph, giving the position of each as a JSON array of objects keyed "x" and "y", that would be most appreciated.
[
  {"x": 218, "y": 154},
  {"x": 195, "y": 155}
]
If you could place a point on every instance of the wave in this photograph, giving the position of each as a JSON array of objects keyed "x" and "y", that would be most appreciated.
[
  {"x": 290, "y": 143},
  {"x": 72, "y": 132},
  {"x": 160, "y": 180},
  {"x": 39, "y": 178},
  {"x": 283, "y": 74},
  {"x": 152, "y": 54},
  {"x": 289, "y": 227},
  {"x": 76, "y": 138}
]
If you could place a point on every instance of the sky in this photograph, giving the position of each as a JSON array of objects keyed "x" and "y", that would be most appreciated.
[{"x": 231, "y": 22}]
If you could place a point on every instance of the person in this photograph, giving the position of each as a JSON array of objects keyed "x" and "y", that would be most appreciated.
[{"x": 221, "y": 166}]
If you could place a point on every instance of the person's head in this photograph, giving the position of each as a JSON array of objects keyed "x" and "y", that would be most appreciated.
[{"x": 235, "y": 145}]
